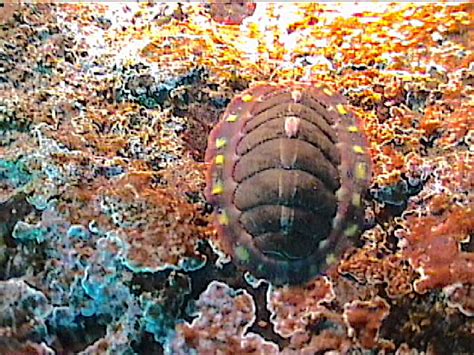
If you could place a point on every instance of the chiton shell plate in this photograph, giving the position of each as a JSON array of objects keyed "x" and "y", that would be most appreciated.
[{"x": 287, "y": 166}]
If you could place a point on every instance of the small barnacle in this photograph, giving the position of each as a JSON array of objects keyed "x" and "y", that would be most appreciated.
[
  {"x": 296, "y": 95},
  {"x": 289, "y": 181},
  {"x": 323, "y": 244},
  {"x": 331, "y": 259},
  {"x": 292, "y": 124}
]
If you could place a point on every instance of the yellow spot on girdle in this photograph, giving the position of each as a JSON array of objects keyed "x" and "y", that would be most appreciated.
[
  {"x": 221, "y": 143},
  {"x": 331, "y": 259},
  {"x": 247, "y": 98},
  {"x": 222, "y": 218},
  {"x": 358, "y": 149},
  {"x": 231, "y": 118},
  {"x": 218, "y": 188},
  {"x": 341, "y": 109},
  {"x": 361, "y": 171},
  {"x": 356, "y": 201},
  {"x": 353, "y": 129},
  {"x": 328, "y": 92},
  {"x": 242, "y": 254},
  {"x": 341, "y": 194},
  {"x": 351, "y": 231},
  {"x": 323, "y": 244},
  {"x": 219, "y": 159}
]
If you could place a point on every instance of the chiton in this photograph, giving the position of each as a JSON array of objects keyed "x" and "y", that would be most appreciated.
[{"x": 287, "y": 166}]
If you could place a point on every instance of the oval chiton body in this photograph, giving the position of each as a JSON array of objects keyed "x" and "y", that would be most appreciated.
[{"x": 287, "y": 167}]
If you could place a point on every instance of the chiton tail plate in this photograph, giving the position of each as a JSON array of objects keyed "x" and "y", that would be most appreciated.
[{"x": 287, "y": 168}]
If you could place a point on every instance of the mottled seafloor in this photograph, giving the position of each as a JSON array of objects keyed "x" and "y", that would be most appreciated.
[{"x": 106, "y": 242}]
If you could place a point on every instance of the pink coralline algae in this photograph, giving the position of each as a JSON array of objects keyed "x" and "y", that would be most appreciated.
[
  {"x": 292, "y": 308},
  {"x": 288, "y": 166},
  {"x": 461, "y": 297},
  {"x": 437, "y": 241},
  {"x": 223, "y": 317},
  {"x": 231, "y": 12}
]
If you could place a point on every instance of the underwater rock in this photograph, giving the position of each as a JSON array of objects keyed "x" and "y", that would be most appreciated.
[
  {"x": 23, "y": 310},
  {"x": 152, "y": 90},
  {"x": 99, "y": 138}
]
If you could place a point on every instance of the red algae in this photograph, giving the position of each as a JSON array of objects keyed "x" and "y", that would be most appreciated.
[
  {"x": 433, "y": 248},
  {"x": 364, "y": 320}
]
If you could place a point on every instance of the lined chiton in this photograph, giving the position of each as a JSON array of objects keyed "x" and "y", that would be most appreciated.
[{"x": 287, "y": 167}]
